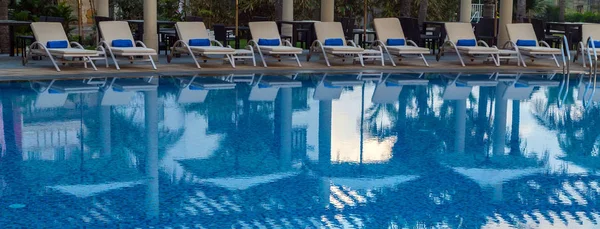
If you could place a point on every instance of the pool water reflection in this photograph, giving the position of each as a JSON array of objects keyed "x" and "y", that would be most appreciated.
[{"x": 369, "y": 150}]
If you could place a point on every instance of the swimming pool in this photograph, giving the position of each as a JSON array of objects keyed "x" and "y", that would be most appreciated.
[{"x": 368, "y": 150}]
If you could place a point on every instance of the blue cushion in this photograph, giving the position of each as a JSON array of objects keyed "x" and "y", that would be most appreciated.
[
  {"x": 521, "y": 85},
  {"x": 526, "y": 43},
  {"x": 334, "y": 42},
  {"x": 396, "y": 42},
  {"x": 122, "y": 43},
  {"x": 466, "y": 42},
  {"x": 391, "y": 84},
  {"x": 199, "y": 42},
  {"x": 461, "y": 84},
  {"x": 57, "y": 44},
  {"x": 269, "y": 42},
  {"x": 596, "y": 44}
]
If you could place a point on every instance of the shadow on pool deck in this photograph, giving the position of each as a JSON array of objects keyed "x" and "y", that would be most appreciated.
[{"x": 12, "y": 69}]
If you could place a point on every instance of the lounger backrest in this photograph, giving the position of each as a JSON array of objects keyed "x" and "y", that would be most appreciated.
[
  {"x": 264, "y": 30},
  {"x": 115, "y": 30},
  {"x": 191, "y": 30},
  {"x": 48, "y": 31},
  {"x": 459, "y": 30},
  {"x": 590, "y": 30},
  {"x": 387, "y": 28},
  {"x": 521, "y": 31},
  {"x": 326, "y": 30}
]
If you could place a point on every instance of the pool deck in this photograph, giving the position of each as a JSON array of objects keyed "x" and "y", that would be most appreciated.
[{"x": 12, "y": 69}]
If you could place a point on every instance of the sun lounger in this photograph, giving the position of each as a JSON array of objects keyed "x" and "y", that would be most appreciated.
[
  {"x": 267, "y": 42},
  {"x": 330, "y": 86},
  {"x": 265, "y": 88},
  {"x": 523, "y": 40},
  {"x": 118, "y": 41},
  {"x": 590, "y": 43},
  {"x": 331, "y": 42},
  {"x": 461, "y": 40},
  {"x": 54, "y": 94},
  {"x": 194, "y": 40},
  {"x": 120, "y": 91},
  {"x": 51, "y": 41},
  {"x": 388, "y": 89},
  {"x": 196, "y": 89},
  {"x": 520, "y": 86},
  {"x": 391, "y": 38}
]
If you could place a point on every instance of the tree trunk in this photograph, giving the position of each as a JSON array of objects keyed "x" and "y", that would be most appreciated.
[
  {"x": 521, "y": 10},
  {"x": 561, "y": 10},
  {"x": 4, "y": 44},
  {"x": 405, "y": 8},
  {"x": 278, "y": 10},
  {"x": 423, "y": 11},
  {"x": 489, "y": 9}
]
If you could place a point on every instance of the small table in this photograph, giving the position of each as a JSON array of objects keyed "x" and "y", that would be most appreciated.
[
  {"x": 440, "y": 24},
  {"x": 241, "y": 29},
  {"x": 569, "y": 29},
  {"x": 361, "y": 38},
  {"x": 11, "y": 32},
  {"x": 140, "y": 26}
]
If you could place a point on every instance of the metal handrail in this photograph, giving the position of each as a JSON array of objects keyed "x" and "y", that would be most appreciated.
[
  {"x": 566, "y": 72},
  {"x": 592, "y": 71}
]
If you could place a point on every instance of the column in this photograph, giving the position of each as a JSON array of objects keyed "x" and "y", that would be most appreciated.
[
  {"x": 151, "y": 121},
  {"x": 460, "y": 125},
  {"x": 287, "y": 14},
  {"x": 102, "y": 8},
  {"x": 284, "y": 127},
  {"x": 105, "y": 128},
  {"x": 465, "y": 10},
  {"x": 499, "y": 134},
  {"x": 506, "y": 12},
  {"x": 325, "y": 109},
  {"x": 327, "y": 10},
  {"x": 150, "y": 27}
]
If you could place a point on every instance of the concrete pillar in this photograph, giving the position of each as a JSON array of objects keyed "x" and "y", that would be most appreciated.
[
  {"x": 506, "y": 12},
  {"x": 150, "y": 27},
  {"x": 287, "y": 14},
  {"x": 327, "y": 10},
  {"x": 151, "y": 123},
  {"x": 465, "y": 10},
  {"x": 102, "y": 8},
  {"x": 325, "y": 114},
  {"x": 460, "y": 125}
]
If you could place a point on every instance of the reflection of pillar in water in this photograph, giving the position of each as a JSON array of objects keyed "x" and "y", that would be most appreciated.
[
  {"x": 324, "y": 150},
  {"x": 284, "y": 126},
  {"x": 460, "y": 125},
  {"x": 105, "y": 129},
  {"x": 151, "y": 111},
  {"x": 497, "y": 191},
  {"x": 499, "y": 134},
  {"x": 515, "y": 145}
]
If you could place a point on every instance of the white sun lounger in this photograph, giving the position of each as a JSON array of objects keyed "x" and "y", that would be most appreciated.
[
  {"x": 54, "y": 94},
  {"x": 265, "y": 88},
  {"x": 590, "y": 33},
  {"x": 327, "y": 35},
  {"x": 120, "y": 91},
  {"x": 114, "y": 32},
  {"x": 330, "y": 86},
  {"x": 388, "y": 89},
  {"x": 522, "y": 38},
  {"x": 461, "y": 40},
  {"x": 188, "y": 31},
  {"x": 390, "y": 28},
  {"x": 196, "y": 89},
  {"x": 48, "y": 34},
  {"x": 265, "y": 32}
]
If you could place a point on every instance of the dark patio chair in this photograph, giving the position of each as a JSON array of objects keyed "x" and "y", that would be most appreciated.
[
  {"x": 411, "y": 29},
  {"x": 221, "y": 34},
  {"x": 193, "y": 18},
  {"x": 484, "y": 30},
  {"x": 540, "y": 32},
  {"x": 348, "y": 26}
]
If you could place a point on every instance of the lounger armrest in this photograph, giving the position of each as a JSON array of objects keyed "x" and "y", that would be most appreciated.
[
  {"x": 255, "y": 44},
  {"x": 104, "y": 44},
  {"x": 140, "y": 43},
  {"x": 351, "y": 43},
  {"x": 287, "y": 43},
  {"x": 218, "y": 43},
  {"x": 37, "y": 43},
  {"x": 249, "y": 47},
  {"x": 483, "y": 43},
  {"x": 545, "y": 44},
  {"x": 316, "y": 44},
  {"x": 76, "y": 44},
  {"x": 411, "y": 43}
]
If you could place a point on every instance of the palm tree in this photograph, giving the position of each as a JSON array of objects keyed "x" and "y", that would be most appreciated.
[
  {"x": 489, "y": 8},
  {"x": 561, "y": 10},
  {"x": 4, "y": 44},
  {"x": 423, "y": 11},
  {"x": 521, "y": 10}
]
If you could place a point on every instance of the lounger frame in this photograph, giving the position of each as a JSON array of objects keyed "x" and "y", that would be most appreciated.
[
  {"x": 401, "y": 54},
  {"x": 277, "y": 55},
  {"x": 318, "y": 47},
  {"x": 38, "y": 49},
  {"x": 495, "y": 56},
  {"x": 130, "y": 56},
  {"x": 182, "y": 47}
]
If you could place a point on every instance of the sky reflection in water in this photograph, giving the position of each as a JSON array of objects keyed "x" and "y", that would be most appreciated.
[{"x": 301, "y": 151}]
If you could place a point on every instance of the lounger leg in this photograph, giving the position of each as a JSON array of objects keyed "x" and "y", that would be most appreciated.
[
  {"x": 460, "y": 58},
  {"x": 382, "y": 59},
  {"x": 326, "y": 59},
  {"x": 297, "y": 60},
  {"x": 391, "y": 58},
  {"x": 424, "y": 60},
  {"x": 522, "y": 59},
  {"x": 253, "y": 59},
  {"x": 114, "y": 59},
  {"x": 152, "y": 61},
  {"x": 54, "y": 63},
  {"x": 555, "y": 60},
  {"x": 583, "y": 57},
  {"x": 360, "y": 58},
  {"x": 231, "y": 60},
  {"x": 262, "y": 58},
  {"x": 91, "y": 62},
  {"x": 195, "y": 60}
]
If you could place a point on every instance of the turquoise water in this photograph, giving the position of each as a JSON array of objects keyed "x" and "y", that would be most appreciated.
[{"x": 372, "y": 150}]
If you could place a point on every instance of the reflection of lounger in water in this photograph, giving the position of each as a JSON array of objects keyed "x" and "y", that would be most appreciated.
[
  {"x": 54, "y": 93},
  {"x": 120, "y": 91},
  {"x": 460, "y": 88},
  {"x": 521, "y": 86},
  {"x": 388, "y": 89},
  {"x": 265, "y": 88},
  {"x": 330, "y": 86},
  {"x": 196, "y": 89}
]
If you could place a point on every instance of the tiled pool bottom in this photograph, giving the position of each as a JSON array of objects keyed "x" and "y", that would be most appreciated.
[{"x": 301, "y": 151}]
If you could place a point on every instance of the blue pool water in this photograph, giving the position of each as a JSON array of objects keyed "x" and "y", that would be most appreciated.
[{"x": 372, "y": 150}]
